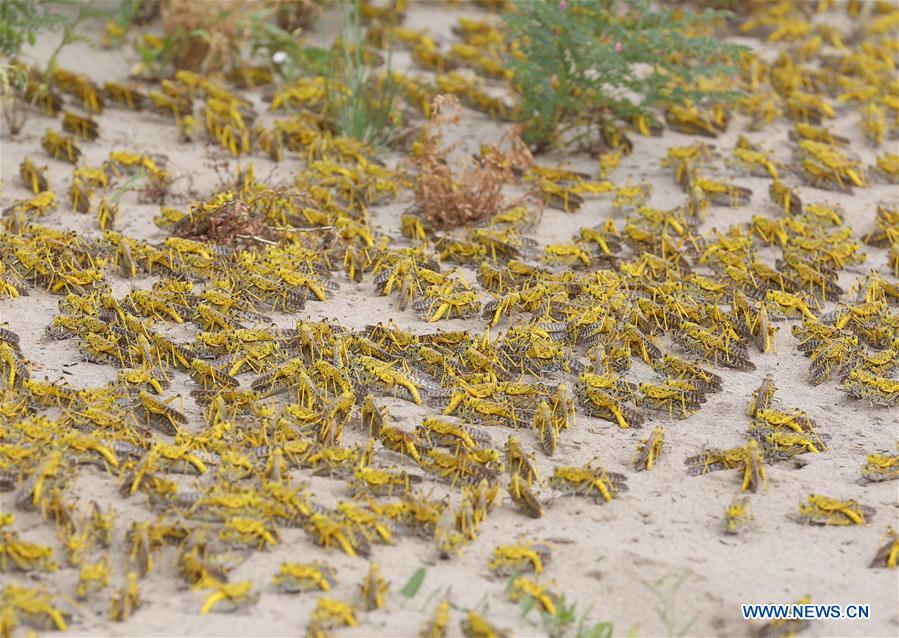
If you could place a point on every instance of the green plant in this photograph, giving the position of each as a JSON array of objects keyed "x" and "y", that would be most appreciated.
[
  {"x": 361, "y": 101},
  {"x": 414, "y": 584},
  {"x": 362, "y": 104},
  {"x": 579, "y": 63},
  {"x": 128, "y": 13},
  {"x": 155, "y": 56},
  {"x": 558, "y": 624},
  {"x": 283, "y": 50},
  {"x": 70, "y": 25},
  {"x": 130, "y": 184},
  {"x": 596, "y": 630},
  {"x": 665, "y": 591},
  {"x": 22, "y": 20}
]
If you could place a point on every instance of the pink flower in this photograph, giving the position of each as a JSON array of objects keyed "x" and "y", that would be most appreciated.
[
  {"x": 618, "y": 47},
  {"x": 563, "y": 4},
  {"x": 53, "y": 11}
]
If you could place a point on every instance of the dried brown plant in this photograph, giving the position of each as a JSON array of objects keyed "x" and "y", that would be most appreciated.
[
  {"x": 210, "y": 34},
  {"x": 232, "y": 224},
  {"x": 296, "y": 14},
  {"x": 518, "y": 159},
  {"x": 455, "y": 192}
]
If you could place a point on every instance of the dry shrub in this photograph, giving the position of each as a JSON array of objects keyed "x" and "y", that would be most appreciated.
[
  {"x": 225, "y": 27},
  {"x": 449, "y": 192},
  {"x": 296, "y": 14},
  {"x": 518, "y": 159},
  {"x": 231, "y": 224}
]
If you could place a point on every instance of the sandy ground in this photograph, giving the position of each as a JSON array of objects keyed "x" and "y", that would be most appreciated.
[{"x": 603, "y": 556}]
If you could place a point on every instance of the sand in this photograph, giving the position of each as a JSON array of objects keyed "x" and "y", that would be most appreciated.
[{"x": 667, "y": 526}]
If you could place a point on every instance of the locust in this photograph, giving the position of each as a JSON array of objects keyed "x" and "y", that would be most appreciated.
[
  {"x": 827, "y": 166},
  {"x": 754, "y": 160},
  {"x": 778, "y": 445},
  {"x": 387, "y": 377},
  {"x": 368, "y": 520},
  {"x": 748, "y": 459},
  {"x": 723, "y": 349},
  {"x": 417, "y": 513},
  {"x": 476, "y": 626},
  {"x": 738, "y": 516},
  {"x": 228, "y": 598},
  {"x": 649, "y": 450},
  {"x": 605, "y": 406},
  {"x": 128, "y": 96},
  {"x": 785, "y": 198},
  {"x": 159, "y": 414},
  {"x": 436, "y": 626},
  {"x": 126, "y": 600},
  {"x": 523, "y": 586},
  {"x": 83, "y": 128},
  {"x": 783, "y": 627},
  {"x": 590, "y": 480},
  {"x": 887, "y": 554},
  {"x": 525, "y": 501},
  {"x": 369, "y": 480},
  {"x": 61, "y": 147},
  {"x": 762, "y": 397},
  {"x": 677, "y": 368},
  {"x": 824, "y": 510},
  {"x": 462, "y": 467},
  {"x": 546, "y": 430},
  {"x": 519, "y": 463},
  {"x": 674, "y": 397},
  {"x": 297, "y": 577},
  {"x": 519, "y": 558},
  {"x": 397, "y": 440},
  {"x": 34, "y": 178},
  {"x": 373, "y": 589},
  {"x": 692, "y": 121},
  {"x": 881, "y": 467},
  {"x": 92, "y": 578},
  {"x": 874, "y": 388},
  {"x": 445, "y": 303},
  {"x": 34, "y": 607},
  {"x": 482, "y": 411},
  {"x": 25, "y": 556},
  {"x": 447, "y": 434}
]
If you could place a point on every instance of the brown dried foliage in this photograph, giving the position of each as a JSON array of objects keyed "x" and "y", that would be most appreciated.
[
  {"x": 225, "y": 22},
  {"x": 518, "y": 159},
  {"x": 232, "y": 224},
  {"x": 296, "y": 14},
  {"x": 453, "y": 193}
]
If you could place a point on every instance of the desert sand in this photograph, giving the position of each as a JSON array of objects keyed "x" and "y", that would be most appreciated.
[{"x": 667, "y": 527}]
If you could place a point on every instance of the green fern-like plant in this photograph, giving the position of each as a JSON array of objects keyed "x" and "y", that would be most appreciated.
[{"x": 579, "y": 63}]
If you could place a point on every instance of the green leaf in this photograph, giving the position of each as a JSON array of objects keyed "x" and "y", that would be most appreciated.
[
  {"x": 411, "y": 588},
  {"x": 601, "y": 630},
  {"x": 200, "y": 33},
  {"x": 527, "y": 605}
]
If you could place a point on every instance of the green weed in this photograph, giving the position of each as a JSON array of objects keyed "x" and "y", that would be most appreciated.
[
  {"x": 580, "y": 63},
  {"x": 362, "y": 103},
  {"x": 414, "y": 584},
  {"x": 665, "y": 591}
]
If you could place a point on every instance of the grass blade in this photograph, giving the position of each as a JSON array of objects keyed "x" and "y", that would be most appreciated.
[{"x": 414, "y": 584}]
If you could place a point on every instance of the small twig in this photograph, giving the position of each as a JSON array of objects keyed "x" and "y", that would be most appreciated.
[
  {"x": 305, "y": 229},
  {"x": 261, "y": 240}
]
